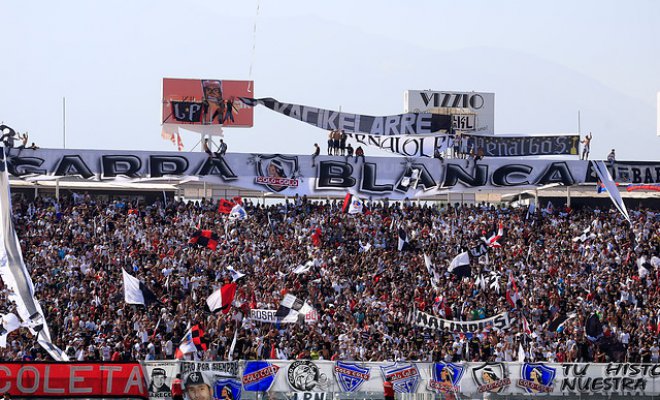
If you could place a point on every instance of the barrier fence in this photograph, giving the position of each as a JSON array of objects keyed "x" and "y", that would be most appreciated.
[{"x": 311, "y": 380}]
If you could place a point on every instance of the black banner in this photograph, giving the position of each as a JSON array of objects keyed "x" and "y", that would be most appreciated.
[
  {"x": 401, "y": 124},
  {"x": 517, "y": 146},
  {"x": 187, "y": 111}
]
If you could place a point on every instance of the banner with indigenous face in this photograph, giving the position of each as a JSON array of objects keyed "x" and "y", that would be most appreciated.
[
  {"x": 402, "y": 124},
  {"x": 288, "y": 175},
  {"x": 207, "y": 102}
]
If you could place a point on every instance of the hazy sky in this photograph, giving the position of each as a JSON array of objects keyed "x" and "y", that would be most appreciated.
[{"x": 544, "y": 60}]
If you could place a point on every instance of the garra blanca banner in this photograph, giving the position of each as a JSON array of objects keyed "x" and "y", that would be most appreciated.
[
  {"x": 498, "y": 322},
  {"x": 402, "y": 124}
]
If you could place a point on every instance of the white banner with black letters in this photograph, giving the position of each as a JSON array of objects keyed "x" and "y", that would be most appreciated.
[{"x": 499, "y": 322}]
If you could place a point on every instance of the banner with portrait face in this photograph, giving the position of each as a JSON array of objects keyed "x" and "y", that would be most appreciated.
[
  {"x": 211, "y": 380},
  {"x": 159, "y": 375}
]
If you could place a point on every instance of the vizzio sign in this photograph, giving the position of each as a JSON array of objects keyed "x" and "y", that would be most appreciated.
[{"x": 481, "y": 104}]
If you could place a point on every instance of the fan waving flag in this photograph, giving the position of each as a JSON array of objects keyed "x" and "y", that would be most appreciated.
[
  {"x": 222, "y": 298},
  {"x": 237, "y": 212},
  {"x": 204, "y": 238},
  {"x": 493, "y": 240},
  {"x": 192, "y": 342},
  {"x": 512, "y": 295},
  {"x": 460, "y": 265},
  {"x": 403, "y": 240},
  {"x": 353, "y": 205},
  {"x": 225, "y": 206},
  {"x": 292, "y": 306},
  {"x": 135, "y": 292}
]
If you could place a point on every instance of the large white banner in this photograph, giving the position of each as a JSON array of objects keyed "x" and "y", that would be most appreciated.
[
  {"x": 268, "y": 316},
  {"x": 480, "y": 104},
  {"x": 368, "y": 178},
  {"x": 498, "y": 322}
]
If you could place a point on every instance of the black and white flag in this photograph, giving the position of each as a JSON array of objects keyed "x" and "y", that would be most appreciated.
[
  {"x": 15, "y": 275},
  {"x": 403, "y": 239},
  {"x": 435, "y": 276},
  {"x": 292, "y": 306},
  {"x": 135, "y": 292},
  {"x": 460, "y": 265}
]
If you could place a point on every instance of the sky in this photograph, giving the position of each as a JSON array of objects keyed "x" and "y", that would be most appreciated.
[{"x": 544, "y": 60}]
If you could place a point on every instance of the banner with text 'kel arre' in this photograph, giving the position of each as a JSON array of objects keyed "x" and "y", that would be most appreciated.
[{"x": 402, "y": 124}]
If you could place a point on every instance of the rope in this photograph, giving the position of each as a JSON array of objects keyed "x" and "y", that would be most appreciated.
[{"x": 254, "y": 47}]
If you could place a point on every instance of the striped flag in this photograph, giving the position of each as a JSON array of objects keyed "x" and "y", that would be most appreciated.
[{"x": 192, "y": 342}]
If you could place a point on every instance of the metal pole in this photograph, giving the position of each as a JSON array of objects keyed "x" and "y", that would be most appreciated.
[
  {"x": 568, "y": 196},
  {"x": 579, "y": 130},
  {"x": 64, "y": 122}
]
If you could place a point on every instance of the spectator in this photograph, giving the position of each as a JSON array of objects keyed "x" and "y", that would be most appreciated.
[
  {"x": 316, "y": 153},
  {"x": 586, "y": 146},
  {"x": 349, "y": 152},
  {"x": 359, "y": 153},
  {"x": 330, "y": 134},
  {"x": 611, "y": 158},
  {"x": 177, "y": 391},
  {"x": 207, "y": 149},
  {"x": 336, "y": 139},
  {"x": 229, "y": 111},
  {"x": 388, "y": 389},
  {"x": 342, "y": 142},
  {"x": 223, "y": 148},
  {"x": 438, "y": 155}
]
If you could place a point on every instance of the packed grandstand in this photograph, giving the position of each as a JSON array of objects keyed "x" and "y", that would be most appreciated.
[{"x": 362, "y": 287}]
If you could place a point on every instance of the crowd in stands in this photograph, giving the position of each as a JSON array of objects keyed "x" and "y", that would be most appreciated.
[{"x": 76, "y": 249}]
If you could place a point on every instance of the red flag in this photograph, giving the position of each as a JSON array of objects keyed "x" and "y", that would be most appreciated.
[
  {"x": 222, "y": 298},
  {"x": 225, "y": 206},
  {"x": 205, "y": 238},
  {"x": 316, "y": 237},
  {"x": 192, "y": 341}
]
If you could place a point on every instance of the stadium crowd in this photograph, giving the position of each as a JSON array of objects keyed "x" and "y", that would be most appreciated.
[{"x": 364, "y": 296}]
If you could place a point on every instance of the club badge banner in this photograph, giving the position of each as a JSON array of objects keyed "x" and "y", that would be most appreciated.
[
  {"x": 498, "y": 322},
  {"x": 311, "y": 379},
  {"x": 371, "y": 178},
  {"x": 402, "y": 124}
]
